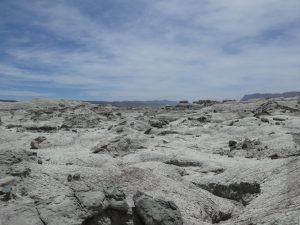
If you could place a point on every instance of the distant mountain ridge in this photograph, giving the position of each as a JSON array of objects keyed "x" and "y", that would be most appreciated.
[
  {"x": 4, "y": 100},
  {"x": 154, "y": 103},
  {"x": 270, "y": 95}
]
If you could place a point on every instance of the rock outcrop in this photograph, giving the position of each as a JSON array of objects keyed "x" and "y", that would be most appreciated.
[{"x": 150, "y": 211}]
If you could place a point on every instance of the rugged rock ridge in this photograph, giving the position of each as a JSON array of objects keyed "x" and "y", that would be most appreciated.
[{"x": 270, "y": 95}]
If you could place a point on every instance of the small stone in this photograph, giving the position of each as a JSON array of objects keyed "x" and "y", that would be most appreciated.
[
  {"x": 21, "y": 172},
  {"x": 119, "y": 129},
  {"x": 7, "y": 181},
  {"x": 265, "y": 120},
  {"x": 76, "y": 176},
  {"x": 69, "y": 177},
  {"x": 232, "y": 144},
  {"x": 6, "y": 193},
  {"x": 148, "y": 131},
  {"x": 123, "y": 122},
  {"x": 153, "y": 211},
  {"x": 35, "y": 144},
  {"x": 40, "y": 161},
  {"x": 278, "y": 119},
  {"x": 274, "y": 156}
]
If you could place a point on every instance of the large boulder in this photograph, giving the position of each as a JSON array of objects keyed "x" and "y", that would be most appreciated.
[
  {"x": 150, "y": 211},
  {"x": 107, "y": 205}
]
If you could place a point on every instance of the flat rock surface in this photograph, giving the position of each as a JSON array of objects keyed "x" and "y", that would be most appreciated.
[{"x": 233, "y": 163}]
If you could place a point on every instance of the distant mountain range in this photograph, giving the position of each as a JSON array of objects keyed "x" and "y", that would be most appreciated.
[
  {"x": 154, "y": 103},
  {"x": 4, "y": 100},
  {"x": 270, "y": 95}
]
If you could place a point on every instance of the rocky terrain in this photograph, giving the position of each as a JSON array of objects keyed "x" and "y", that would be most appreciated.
[
  {"x": 271, "y": 95},
  {"x": 77, "y": 163}
]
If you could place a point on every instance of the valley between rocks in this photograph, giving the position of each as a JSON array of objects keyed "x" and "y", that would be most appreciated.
[{"x": 76, "y": 163}]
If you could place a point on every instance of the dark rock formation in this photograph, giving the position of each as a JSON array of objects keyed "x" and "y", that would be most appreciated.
[
  {"x": 243, "y": 192},
  {"x": 119, "y": 147},
  {"x": 150, "y": 211},
  {"x": 158, "y": 123},
  {"x": 265, "y": 120},
  {"x": 183, "y": 163},
  {"x": 35, "y": 144},
  {"x": 105, "y": 207},
  {"x": 269, "y": 95}
]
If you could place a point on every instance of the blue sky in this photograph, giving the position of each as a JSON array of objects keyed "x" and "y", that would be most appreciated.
[{"x": 145, "y": 50}]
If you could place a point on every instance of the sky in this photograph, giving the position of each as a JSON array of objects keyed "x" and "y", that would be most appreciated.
[{"x": 146, "y": 50}]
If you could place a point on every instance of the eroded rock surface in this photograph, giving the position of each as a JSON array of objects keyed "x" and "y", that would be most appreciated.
[
  {"x": 150, "y": 211},
  {"x": 201, "y": 163}
]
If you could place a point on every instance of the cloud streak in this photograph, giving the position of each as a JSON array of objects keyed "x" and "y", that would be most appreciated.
[{"x": 145, "y": 50}]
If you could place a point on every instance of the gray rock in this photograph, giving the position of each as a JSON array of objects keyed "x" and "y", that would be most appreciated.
[
  {"x": 69, "y": 178},
  {"x": 76, "y": 176},
  {"x": 94, "y": 201},
  {"x": 278, "y": 119},
  {"x": 265, "y": 120},
  {"x": 6, "y": 193},
  {"x": 19, "y": 171},
  {"x": 7, "y": 181},
  {"x": 152, "y": 211},
  {"x": 232, "y": 144},
  {"x": 158, "y": 123},
  {"x": 35, "y": 144}
]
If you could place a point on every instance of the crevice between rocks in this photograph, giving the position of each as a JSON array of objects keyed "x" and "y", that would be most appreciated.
[
  {"x": 243, "y": 192},
  {"x": 40, "y": 217}
]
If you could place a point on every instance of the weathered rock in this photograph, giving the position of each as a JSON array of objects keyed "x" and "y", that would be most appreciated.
[
  {"x": 158, "y": 123},
  {"x": 41, "y": 129},
  {"x": 232, "y": 144},
  {"x": 7, "y": 181},
  {"x": 6, "y": 193},
  {"x": 122, "y": 123},
  {"x": 109, "y": 203},
  {"x": 119, "y": 147},
  {"x": 69, "y": 178},
  {"x": 203, "y": 119},
  {"x": 81, "y": 121},
  {"x": 278, "y": 119},
  {"x": 152, "y": 211},
  {"x": 19, "y": 171},
  {"x": 184, "y": 163},
  {"x": 76, "y": 176},
  {"x": 94, "y": 201},
  {"x": 9, "y": 157},
  {"x": 166, "y": 132},
  {"x": 35, "y": 144},
  {"x": 148, "y": 131},
  {"x": 265, "y": 120}
]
